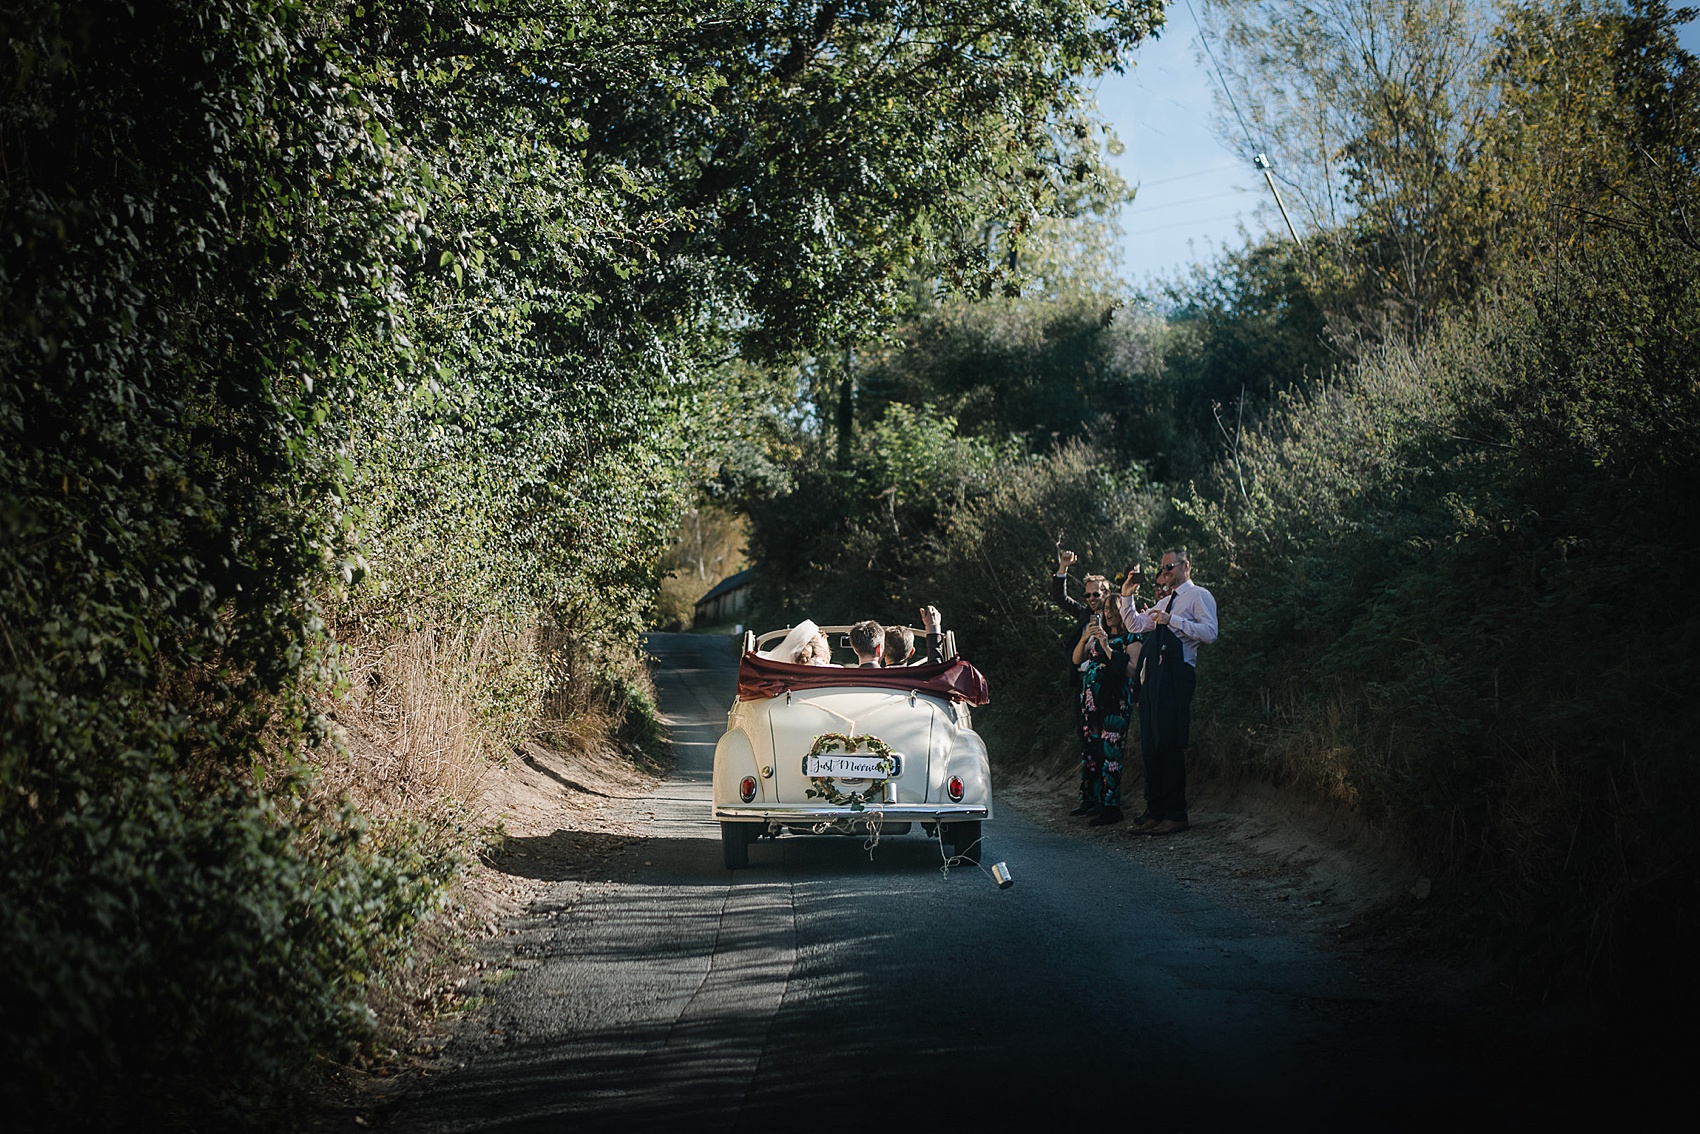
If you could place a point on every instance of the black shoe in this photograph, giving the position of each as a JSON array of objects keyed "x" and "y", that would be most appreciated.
[
  {"x": 1087, "y": 808},
  {"x": 1105, "y": 817}
]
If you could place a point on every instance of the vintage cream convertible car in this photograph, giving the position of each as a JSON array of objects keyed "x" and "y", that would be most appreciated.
[{"x": 833, "y": 750}]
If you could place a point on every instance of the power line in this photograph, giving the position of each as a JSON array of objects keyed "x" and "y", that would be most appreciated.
[
  {"x": 1185, "y": 176},
  {"x": 1234, "y": 192},
  {"x": 1187, "y": 223},
  {"x": 1205, "y": 40},
  {"x": 1261, "y": 161}
]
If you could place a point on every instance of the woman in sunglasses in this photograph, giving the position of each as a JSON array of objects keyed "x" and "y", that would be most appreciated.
[{"x": 1105, "y": 654}]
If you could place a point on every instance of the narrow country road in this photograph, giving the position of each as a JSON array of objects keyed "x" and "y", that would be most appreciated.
[{"x": 824, "y": 989}]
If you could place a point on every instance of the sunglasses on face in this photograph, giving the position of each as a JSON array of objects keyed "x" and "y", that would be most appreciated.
[{"x": 1166, "y": 568}]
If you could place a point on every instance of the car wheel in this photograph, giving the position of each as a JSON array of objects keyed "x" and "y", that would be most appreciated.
[
  {"x": 735, "y": 844},
  {"x": 965, "y": 840}
]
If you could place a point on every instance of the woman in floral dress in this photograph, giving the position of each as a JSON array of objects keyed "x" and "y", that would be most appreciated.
[{"x": 1106, "y": 654}]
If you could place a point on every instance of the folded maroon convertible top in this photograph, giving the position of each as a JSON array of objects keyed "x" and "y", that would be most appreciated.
[{"x": 760, "y": 677}]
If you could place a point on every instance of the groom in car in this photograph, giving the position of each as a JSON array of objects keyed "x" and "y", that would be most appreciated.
[{"x": 867, "y": 638}]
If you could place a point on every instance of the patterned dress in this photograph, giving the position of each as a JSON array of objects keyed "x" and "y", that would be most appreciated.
[{"x": 1105, "y": 708}]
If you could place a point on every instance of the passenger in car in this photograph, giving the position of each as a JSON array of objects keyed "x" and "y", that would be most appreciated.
[
  {"x": 800, "y": 636},
  {"x": 933, "y": 622},
  {"x": 899, "y": 646},
  {"x": 868, "y": 640},
  {"x": 900, "y": 641},
  {"x": 815, "y": 651}
]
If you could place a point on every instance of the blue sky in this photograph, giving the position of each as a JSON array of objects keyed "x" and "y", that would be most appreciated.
[{"x": 1194, "y": 193}]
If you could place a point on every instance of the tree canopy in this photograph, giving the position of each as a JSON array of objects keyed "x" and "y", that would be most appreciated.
[{"x": 320, "y": 313}]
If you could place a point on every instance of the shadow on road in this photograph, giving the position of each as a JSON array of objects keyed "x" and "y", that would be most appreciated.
[
  {"x": 588, "y": 856},
  {"x": 559, "y": 856},
  {"x": 699, "y": 1077}
]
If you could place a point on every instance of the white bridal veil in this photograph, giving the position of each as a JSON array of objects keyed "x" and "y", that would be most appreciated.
[{"x": 788, "y": 647}]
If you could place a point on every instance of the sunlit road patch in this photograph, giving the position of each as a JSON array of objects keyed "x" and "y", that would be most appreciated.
[{"x": 832, "y": 987}]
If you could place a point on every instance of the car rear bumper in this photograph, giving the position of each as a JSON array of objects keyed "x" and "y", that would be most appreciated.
[{"x": 888, "y": 812}]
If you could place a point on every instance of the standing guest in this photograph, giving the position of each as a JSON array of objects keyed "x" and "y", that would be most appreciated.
[
  {"x": 1173, "y": 629},
  {"x": 1097, "y": 593},
  {"x": 868, "y": 640},
  {"x": 1104, "y": 654}
]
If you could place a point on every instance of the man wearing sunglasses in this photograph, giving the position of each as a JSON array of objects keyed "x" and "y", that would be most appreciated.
[{"x": 1174, "y": 629}]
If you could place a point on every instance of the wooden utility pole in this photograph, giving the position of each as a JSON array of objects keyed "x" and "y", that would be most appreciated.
[{"x": 1261, "y": 161}]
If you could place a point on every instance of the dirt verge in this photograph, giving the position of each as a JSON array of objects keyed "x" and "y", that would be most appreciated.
[
  {"x": 1314, "y": 870},
  {"x": 552, "y": 811}
]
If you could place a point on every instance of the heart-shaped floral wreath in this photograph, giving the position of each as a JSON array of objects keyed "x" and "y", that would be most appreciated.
[{"x": 823, "y": 788}]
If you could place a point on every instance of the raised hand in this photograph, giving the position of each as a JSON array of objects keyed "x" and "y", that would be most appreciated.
[{"x": 931, "y": 620}]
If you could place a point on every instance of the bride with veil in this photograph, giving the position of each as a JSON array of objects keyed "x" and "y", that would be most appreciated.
[{"x": 804, "y": 645}]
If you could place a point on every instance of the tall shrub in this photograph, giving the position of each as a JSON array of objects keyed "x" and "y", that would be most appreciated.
[
  {"x": 415, "y": 310},
  {"x": 183, "y": 244},
  {"x": 1437, "y": 569}
]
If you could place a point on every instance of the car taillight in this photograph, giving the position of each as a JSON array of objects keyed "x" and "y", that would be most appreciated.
[
  {"x": 747, "y": 788},
  {"x": 954, "y": 787}
]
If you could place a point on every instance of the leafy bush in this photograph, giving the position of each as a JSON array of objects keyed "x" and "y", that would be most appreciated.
[
  {"x": 1041, "y": 369},
  {"x": 172, "y": 933},
  {"x": 1151, "y": 382},
  {"x": 923, "y": 515},
  {"x": 174, "y": 954},
  {"x": 1459, "y": 583},
  {"x": 404, "y": 320},
  {"x": 998, "y": 560},
  {"x": 836, "y": 541}
]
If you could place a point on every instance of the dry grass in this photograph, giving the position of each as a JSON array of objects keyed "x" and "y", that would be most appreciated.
[
  {"x": 589, "y": 690},
  {"x": 420, "y": 733},
  {"x": 428, "y": 716},
  {"x": 457, "y": 738}
]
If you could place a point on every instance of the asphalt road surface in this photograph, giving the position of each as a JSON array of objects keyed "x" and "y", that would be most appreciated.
[{"x": 827, "y": 989}]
